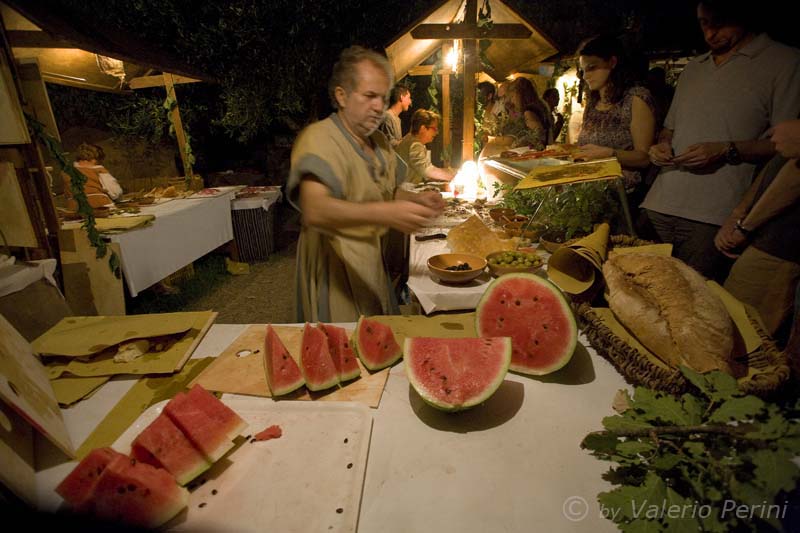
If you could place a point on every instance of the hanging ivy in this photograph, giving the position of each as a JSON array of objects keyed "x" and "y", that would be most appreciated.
[{"x": 76, "y": 182}]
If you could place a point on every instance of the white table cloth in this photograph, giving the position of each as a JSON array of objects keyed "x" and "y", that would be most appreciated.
[
  {"x": 512, "y": 464},
  {"x": 264, "y": 200},
  {"x": 184, "y": 230},
  {"x": 15, "y": 276}
]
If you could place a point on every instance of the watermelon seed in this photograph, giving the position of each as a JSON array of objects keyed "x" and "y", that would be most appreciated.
[
  {"x": 284, "y": 357},
  {"x": 345, "y": 441},
  {"x": 447, "y": 391},
  {"x": 545, "y": 326},
  {"x": 121, "y": 490},
  {"x": 535, "y": 298},
  {"x": 202, "y": 505},
  {"x": 536, "y": 342},
  {"x": 502, "y": 302},
  {"x": 517, "y": 302},
  {"x": 247, "y": 437},
  {"x": 349, "y": 465},
  {"x": 369, "y": 329},
  {"x": 340, "y": 510},
  {"x": 131, "y": 487},
  {"x": 214, "y": 492},
  {"x": 133, "y": 461}
]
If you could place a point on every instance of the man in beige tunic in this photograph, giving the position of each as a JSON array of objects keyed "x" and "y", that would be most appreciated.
[{"x": 343, "y": 179}]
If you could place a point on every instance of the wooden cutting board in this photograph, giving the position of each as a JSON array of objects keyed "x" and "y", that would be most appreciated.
[{"x": 235, "y": 372}]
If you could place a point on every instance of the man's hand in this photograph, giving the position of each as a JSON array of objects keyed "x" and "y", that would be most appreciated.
[
  {"x": 701, "y": 155},
  {"x": 407, "y": 216},
  {"x": 661, "y": 154},
  {"x": 729, "y": 239},
  {"x": 593, "y": 151},
  {"x": 431, "y": 199},
  {"x": 786, "y": 138}
]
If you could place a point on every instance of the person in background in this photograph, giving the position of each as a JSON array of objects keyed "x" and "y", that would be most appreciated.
[
  {"x": 487, "y": 96},
  {"x": 619, "y": 117},
  {"x": 551, "y": 98},
  {"x": 424, "y": 128},
  {"x": 399, "y": 102},
  {"x": 528, "y": 117},
  {"x": 344, "y": 180},
  {"x": 714, "y": 133},
  {"x": 101, "y": 188}
]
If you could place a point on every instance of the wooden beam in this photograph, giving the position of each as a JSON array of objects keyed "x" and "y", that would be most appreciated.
[
  {"x": 445, "y": 125},
  {"x": 50, "y": 78},
  {"x": 36, "y": 39},
  {"x": 471, "y": 64},
  {"x": 175, "y": 115},
  {"x": 157, "y": 81},
  {"x": 467, "y": 31},
  {"x": 421, "y": 70}
]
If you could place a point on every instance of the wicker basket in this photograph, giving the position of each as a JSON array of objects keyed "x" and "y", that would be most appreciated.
[{"x": 768, "y": 367}]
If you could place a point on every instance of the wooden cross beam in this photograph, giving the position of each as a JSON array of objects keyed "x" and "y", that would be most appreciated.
[{"x": 469, "y": 32}]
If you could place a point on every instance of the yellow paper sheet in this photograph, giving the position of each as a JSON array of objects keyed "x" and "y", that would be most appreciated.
[
  {"x": 69, "y": 389},
  {"x": 545, "y": 176},
  {"x": 453, "y": 326},
  {"x": 77, "y": 336},
  {"x": 610, "y": 321},
  {"x": 146, "y": 392},
  {"x": 574, "y": 267},
  {"x": 164, "y": 362},
  {"x": 655, "y": 249},
  {"x": 752, "y": 340}
]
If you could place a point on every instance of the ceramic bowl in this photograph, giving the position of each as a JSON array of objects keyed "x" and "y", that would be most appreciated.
[
  {"x": 498, "y": 213},
  {"x": 515, "y": 229},
  {"x": 498, "y": 269},
  {"x": 438, "y": 264}
]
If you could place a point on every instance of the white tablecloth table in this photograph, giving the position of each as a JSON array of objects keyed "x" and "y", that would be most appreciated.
[
  {"x": 511, "y": 464},
  {"x": 184, "y": 230}
]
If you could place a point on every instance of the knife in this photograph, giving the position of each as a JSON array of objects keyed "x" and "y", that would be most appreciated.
[{"x": 430, "y": 237}]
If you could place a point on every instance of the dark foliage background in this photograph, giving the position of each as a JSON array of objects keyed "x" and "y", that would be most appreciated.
[{"x": 270, "y": 59}]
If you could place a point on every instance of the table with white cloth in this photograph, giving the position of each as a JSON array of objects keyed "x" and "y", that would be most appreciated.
[
  {"x": 511, "y": 464},
  {"x": 184, "y": 230}
]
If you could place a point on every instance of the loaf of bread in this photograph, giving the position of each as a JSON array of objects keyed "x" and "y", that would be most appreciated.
[{"x": 671, "y": 311}]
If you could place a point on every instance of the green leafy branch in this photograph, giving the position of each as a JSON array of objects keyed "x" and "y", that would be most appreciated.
[
  {"x": 76, "y": 183},
  {"x": 170, "y": 103},
  {"x": 694, "y": 463}
]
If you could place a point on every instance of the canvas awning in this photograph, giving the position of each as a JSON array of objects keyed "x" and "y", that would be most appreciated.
[{"x": 506, "y": 55}]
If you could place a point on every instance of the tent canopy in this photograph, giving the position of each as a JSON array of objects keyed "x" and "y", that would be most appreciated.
[{"x": 506, "y": 56}]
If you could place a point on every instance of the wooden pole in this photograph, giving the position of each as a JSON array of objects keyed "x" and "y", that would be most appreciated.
[
  {"x": 175, "y": 116},
  {"x": 447, "y": 134},
  {"x": 471, "y": 62}
]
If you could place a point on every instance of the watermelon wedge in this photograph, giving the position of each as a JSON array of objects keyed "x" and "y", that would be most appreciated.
[
  {"x": 283, "y": 374},
  {"x": 537, "y": 317},
  {"x": 209, "y": 434},
  {"x": 375, "y": 344},
  {"x": 316, "y": 361},
  {"x": 77, "y": 487},
  {"x": 343, "y": 356},
  {"x": 137, "y": 493},
  {"x": 456, "y": 374},
  {"x": 163, "y": 445}
]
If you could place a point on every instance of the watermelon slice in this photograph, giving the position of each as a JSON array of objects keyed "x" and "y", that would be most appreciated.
[
  {"x": 315, "y": 358},
  {"x": 343, "y": 356},
  {"x": 456, "y": 374},
  {"x": 375, "y": 345},
  {"x": 77, "y": 487},
  {"x": 208, "y": 426},
  {"x": 283, "y": 374},
  {"x": 163, "y": 445},
  {"x": 137, "y": 493},
  {"x": 537, "y": 317}
]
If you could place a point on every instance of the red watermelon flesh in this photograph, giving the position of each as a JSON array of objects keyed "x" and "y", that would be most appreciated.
[
  {"x": 342, "y": 353},
  {"x": 537, "y": 317},
  {"x": 315, "y": 358},
  {"x": 163, "y": 445},
  {"x": 202, "y": 430},
  {"x": 76, "y": 488},
  {"x": 137, "y": 493},
  {"x": 375, "y": 344},
  {"x": 225, "y": 417},
  {"x": 455, "y": 374},
  {"x": 283, "y": 374}
]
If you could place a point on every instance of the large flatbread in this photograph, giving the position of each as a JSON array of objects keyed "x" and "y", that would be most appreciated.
[{"x": 474, "y": 237}]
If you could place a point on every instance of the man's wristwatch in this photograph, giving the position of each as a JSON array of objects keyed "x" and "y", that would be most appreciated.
[
  {"x": 732, "y": 156},
  {"x": 741, "y": 229}
]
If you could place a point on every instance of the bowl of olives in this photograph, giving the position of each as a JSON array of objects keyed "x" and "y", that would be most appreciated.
[
  {"x": 456, "y": 268},
  {"x": 506, "y": 262}
]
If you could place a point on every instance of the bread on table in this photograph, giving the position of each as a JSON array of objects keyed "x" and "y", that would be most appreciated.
[{"x": 669, "y": 308}]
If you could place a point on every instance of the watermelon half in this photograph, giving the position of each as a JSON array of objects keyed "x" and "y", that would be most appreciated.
[
  {"x": 342, "y": 353},
  {"x": 316, "y": 361},
  {"x": 283, "y": 374},
  {"x": 77, "y": 487},
  {"x": 163, "y": 445},
  {"x": 137, "y": 493},
  {"x": 456, "y": 374},
  {"x": 375, "y": 344},
  {"x": 537, "y": 317}
]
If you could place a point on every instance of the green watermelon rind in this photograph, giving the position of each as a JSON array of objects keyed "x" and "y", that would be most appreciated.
[
  {"x": 360, "y": 351},
  {"x": 475, "y": 400},
  {"x": 289, "y": 387},
  {"x": 562, "y": 361}
]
